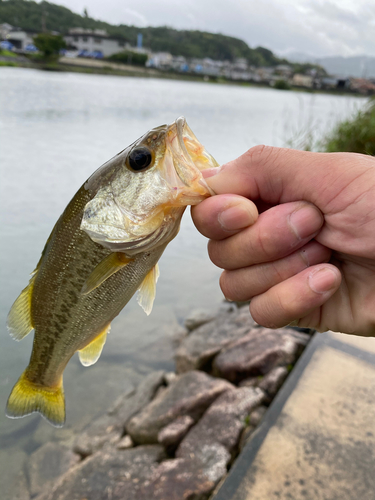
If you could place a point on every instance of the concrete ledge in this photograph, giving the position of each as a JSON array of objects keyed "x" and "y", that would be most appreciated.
[{"x": 317, "y": 440}]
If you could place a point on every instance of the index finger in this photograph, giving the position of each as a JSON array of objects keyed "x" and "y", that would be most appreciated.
[
  {"x": 280, "y": 175},
  {"x": 224, "y": 215}
]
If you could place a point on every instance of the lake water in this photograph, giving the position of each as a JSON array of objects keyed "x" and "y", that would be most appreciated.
[{"x": 55, "y": 130}]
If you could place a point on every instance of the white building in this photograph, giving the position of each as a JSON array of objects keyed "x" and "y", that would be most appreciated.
[
  {"x": 19, "y": 38},
  {"x": 95, "y": 40},
  {"x": 161, "y": 60},
  {"x": 303, "y": 80}
]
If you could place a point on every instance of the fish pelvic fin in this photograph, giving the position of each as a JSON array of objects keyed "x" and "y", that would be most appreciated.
[
  {"x": 108, "y": 266},
  {"x": 91, "y": 353},
  {"x": 147, "y": 290},
  {"x": 27, "y": 397},
  {"x": 19, "y": 320}
]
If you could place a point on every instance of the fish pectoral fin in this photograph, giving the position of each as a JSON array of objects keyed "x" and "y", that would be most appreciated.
[
  {"x": 147, "y": 290},
  {"x": 19, "y": 320},
  {"x": 108, "y": 266},
  {"x": 91, "y": 353},
  {"x": 27, "y": 397}
]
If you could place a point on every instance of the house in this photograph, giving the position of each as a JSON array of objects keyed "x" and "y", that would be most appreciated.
[
  {"x": 95, "y": 40},
  {"x": 362, "y": 85},
  {"x": 160, "y": 60},
  {"x": 265, "y": 73},
  {"x": 328, "y": 82},
  {"x": 302, "y": 80},
  {"x": 284, "y": 70},
  {"x": 19, "y": 38}
]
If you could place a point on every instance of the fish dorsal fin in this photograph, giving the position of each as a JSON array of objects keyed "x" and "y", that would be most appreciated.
[
  {"x": 108, "y": 266},
  {"x": 91, "y": 353},
  {"x": 147, "y": 290},
  {"x": 19, "y": 320}
]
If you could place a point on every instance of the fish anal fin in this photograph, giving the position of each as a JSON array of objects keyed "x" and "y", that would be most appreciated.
[
  {"x": 147, "y": 290},
  {"x": 108, "y": 266},
  {"x": 27, "y": 397},
  {"x": 19, "y": 320},
  {"x": 91, "y": 353}
]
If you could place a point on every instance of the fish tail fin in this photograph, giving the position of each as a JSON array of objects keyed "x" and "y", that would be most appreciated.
[{"x": 27, "y": 397}]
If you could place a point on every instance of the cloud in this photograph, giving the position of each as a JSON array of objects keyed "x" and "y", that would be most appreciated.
[{"x": 319, "y": 27}]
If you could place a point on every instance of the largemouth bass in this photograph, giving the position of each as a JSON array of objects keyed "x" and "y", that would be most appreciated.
[{"x": 104, "y": 247}]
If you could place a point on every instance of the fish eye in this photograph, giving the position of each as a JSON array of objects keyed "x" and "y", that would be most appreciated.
[{"x": 140, "y": 158}]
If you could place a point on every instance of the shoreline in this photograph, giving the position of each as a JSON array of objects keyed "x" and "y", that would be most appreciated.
[
  {"x": 89, "y": 66},
  {"x": 178, "y": 433}
]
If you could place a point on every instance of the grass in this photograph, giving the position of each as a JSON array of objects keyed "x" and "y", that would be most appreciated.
[
  {"x": 8, "y": 63},
  {"x": 356, "y": 135},
  {"x": 7, "y": 53}
]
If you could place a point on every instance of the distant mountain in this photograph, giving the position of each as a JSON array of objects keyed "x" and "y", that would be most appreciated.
[{"x": 356, "y": 66}]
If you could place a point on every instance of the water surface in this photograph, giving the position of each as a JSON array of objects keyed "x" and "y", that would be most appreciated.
[{"x": 55, "y": 130}]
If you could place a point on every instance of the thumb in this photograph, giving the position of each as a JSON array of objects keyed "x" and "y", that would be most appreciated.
[{"x": 280, "y": 175}]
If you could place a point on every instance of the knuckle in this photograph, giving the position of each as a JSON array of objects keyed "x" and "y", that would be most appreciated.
[{"x": 260, "y": 153}]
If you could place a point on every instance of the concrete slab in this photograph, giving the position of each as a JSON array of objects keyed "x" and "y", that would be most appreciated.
[{"x": 317, "y": 440}]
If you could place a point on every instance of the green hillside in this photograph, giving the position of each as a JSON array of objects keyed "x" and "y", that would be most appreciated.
[{"x": 31, "y": 15}]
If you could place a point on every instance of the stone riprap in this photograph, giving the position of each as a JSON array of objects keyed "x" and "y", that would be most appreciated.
[
  {"x": 223, "y": 422},
  {"x": 198, "y": 349},
  {"x": 189, "y": 394},
  {"x": 114, "y": 474},
  {"x": 176, "y": 435},
  {"x": 256, "y": 353},
  {"x": 48, "y": 463},
  {"x": 108, "y": 429}
]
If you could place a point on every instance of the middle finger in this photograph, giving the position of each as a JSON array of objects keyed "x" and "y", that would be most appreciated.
[{"x": 277, "y": 233}]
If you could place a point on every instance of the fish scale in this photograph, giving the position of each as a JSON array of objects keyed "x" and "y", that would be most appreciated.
[{"x": 97, "y": 257}]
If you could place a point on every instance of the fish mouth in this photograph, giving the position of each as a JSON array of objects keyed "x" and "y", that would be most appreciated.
[{"x": 190, "y": 158}]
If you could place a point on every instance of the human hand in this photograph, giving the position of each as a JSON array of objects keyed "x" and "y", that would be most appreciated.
[{"x": 310, "y": 256}]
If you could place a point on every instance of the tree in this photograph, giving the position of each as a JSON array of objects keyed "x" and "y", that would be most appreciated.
[
  {"x": 49, "y": 44},
  {"x": 85, "y": 13}
]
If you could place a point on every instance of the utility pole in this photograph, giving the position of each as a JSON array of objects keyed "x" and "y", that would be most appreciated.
[{"x": 44, "y": 15}]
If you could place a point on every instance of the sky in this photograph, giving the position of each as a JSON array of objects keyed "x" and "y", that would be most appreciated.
[{"x": 317, "y": 27}]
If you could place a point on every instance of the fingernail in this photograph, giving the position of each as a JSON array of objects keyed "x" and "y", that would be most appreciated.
[
  {"x": 210, "y": 172},
  {"x": 235, "y": 217},
  {"x": 305, "y": 221},
  {"x": 322, "y": 280}
]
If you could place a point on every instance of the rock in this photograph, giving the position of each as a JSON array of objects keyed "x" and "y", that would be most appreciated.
[
  {"x": 299, "y": 334},
  {"x": 190, "y": 394},
  {"x": 20, "y": 490},
  {"x": 223, "y": 422},
  {"x": 249, "y": 382},
  {"x": 109, "y": 428},
  {"x": 226, "y": 307},
  {"x": 172, "y": 434},
  {"x": 133, "y": 403},
  {"x": 197, "y": 349},
  {"x": 48, "y": 463},
  {"x": 272, "y": 382},
  {"x": 197, "y": 318},
  {"x": 125, "y": 443},
  {"x": 12, "y": 462},
  {"x": 103, "y": 430},
  {"x": 257, "y": 415},
  {"x": 110, "y": 474},
  {"x": 256, "y": 354},
  {"x": 169, "y": 377},
  {"x": 184, "y": 478}
]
